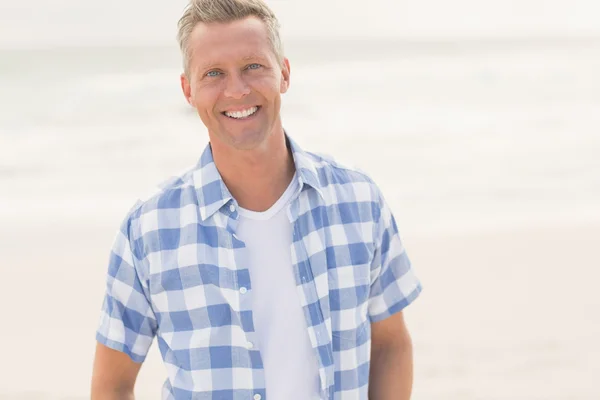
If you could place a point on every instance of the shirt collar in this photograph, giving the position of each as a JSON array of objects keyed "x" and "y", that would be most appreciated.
[{"x": 213, "y": 194}]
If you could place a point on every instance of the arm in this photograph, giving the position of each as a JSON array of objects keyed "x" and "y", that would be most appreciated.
[
  {"x": 394, "y": 286},
  {"x": 114, "y": 375},
  {"x": 391, "y": 375},
  {"x": 127, "y": 324}
]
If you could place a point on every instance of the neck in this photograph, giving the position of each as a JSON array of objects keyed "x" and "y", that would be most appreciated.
[{"x": 258, "y": 177}]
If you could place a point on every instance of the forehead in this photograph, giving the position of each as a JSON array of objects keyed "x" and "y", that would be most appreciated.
[{"x": 231, "y": 41}]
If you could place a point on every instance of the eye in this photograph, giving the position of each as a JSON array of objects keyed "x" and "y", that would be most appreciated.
[
  {"x": 213, "y": 73},
  {"x": 254, "y": 66}
]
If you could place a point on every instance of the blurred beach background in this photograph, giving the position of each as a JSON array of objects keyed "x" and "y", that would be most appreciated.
[{"x": 480, "y": 120}]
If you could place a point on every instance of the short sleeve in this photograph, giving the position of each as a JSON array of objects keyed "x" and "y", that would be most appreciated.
[
  {"x": 127, "y": 322},
  {"x": 394, "y": 284}
]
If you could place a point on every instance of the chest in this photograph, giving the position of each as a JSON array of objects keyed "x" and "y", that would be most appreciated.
[{"x": 208, "y": 274}]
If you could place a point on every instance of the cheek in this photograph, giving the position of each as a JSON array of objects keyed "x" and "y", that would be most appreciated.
[
  {"x": 268, "y": 85},
  {"x": 205, "y": 100}
]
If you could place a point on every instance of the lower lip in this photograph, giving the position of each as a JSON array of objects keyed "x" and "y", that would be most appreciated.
[{"x": 245, "y": 118}]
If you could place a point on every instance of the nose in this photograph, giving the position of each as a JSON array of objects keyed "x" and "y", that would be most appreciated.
[{"x": 236, "y": 87}]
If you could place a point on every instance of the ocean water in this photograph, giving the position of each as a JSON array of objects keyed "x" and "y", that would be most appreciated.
[{"x": 461, "y": 135}]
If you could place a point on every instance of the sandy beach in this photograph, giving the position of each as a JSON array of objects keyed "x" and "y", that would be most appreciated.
[{"x": 506, "y": 315}]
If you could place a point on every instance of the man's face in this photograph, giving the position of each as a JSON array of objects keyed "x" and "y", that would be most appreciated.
[{"x": 235, "y": 81}]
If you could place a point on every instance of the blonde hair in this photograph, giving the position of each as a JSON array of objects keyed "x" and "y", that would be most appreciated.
[{"x": 223, "y": 11}]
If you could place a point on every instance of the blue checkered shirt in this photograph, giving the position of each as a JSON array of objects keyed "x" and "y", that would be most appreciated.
[{"x": 177, "y": 273}]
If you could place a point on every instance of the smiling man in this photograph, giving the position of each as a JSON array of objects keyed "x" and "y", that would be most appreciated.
[{"x": 264, "y": 272}]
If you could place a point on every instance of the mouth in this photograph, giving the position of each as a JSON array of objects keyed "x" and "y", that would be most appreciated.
[{"x": 242, "y": 115}]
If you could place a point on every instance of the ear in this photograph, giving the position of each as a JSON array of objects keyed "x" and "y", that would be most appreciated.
[
  {"x": 285, "y": 76},
  {"x": 187, "y": 89}
]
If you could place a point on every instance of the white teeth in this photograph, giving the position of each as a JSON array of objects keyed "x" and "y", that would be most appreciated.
[{"x": 241, "y": 114}]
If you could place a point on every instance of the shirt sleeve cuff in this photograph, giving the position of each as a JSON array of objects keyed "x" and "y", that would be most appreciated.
[
  {"x": 119, "y": 347},
  {"x": 399, "y": 305}
]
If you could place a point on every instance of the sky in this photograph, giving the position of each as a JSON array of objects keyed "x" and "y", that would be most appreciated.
[{"x": 44, "y": 23}]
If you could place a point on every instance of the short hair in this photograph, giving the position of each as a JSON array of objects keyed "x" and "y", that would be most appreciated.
[{"x": 223, "y": 11}]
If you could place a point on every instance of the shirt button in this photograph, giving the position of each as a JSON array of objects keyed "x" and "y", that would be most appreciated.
[
  {"x": 257, "y": 397},
  {"x": 232, "y": 208},
  {"x": 249, "y": 345},
  {"x": 243, "y": 290}
]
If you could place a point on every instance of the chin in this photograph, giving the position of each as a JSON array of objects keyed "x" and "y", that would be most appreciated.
[{"x": 248, "y": 140}]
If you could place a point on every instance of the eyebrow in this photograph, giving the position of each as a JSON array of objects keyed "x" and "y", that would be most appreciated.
[{"x": 253, "y": 57}]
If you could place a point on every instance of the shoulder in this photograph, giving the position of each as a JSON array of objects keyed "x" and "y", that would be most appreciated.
[
  {"x": 346, "y": 179},
  {"x": 170, "y": 195}
]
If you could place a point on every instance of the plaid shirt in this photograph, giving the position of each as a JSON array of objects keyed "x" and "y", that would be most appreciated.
[{"x": 177, "y": 272}]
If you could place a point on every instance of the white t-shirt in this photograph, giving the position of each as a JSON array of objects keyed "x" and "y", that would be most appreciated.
[{"x": 290, "y": 364}]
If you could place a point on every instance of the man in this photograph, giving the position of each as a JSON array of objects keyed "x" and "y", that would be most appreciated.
[{"x": 265, "y": 272}]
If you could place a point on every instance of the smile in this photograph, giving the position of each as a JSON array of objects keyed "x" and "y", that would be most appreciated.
[{"x": 243, "y": 114}]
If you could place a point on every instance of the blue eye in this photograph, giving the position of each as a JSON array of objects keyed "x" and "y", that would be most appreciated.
[
  {"x": 254, "y": 66},
  {"x": 213, "y": 73}
]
